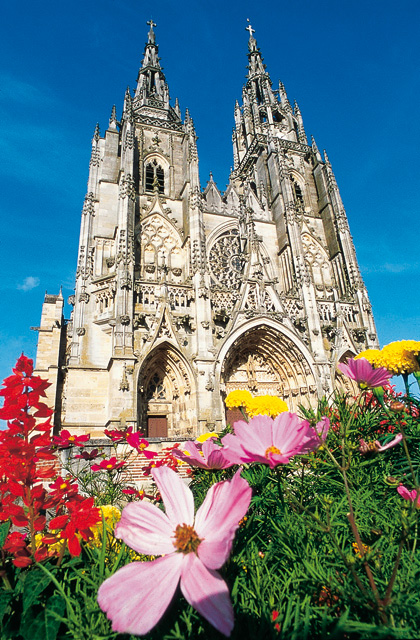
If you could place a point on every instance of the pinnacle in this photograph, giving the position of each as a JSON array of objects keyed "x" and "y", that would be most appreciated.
[
  {"x": 113, "y": 118},
  {"x": 96, "y": 134}
]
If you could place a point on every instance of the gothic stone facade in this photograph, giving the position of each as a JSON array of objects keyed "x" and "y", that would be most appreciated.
[{"x": 183, "y": 295}]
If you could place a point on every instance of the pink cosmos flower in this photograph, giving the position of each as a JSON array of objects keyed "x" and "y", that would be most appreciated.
[
  {"x": 137, "y": 595},
  {"x": 362, "y": 372},
  {"x": 322, "y": 428},
  {"x": 409, "y": 495},
  {"x": 207, "y": 455},
  {"x": 272, "y": 442},
  {"x": 366, "y": 448}
]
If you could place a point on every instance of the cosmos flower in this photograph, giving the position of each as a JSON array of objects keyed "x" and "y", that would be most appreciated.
[
  {"x": 208, "y": 455},
  {"x": 140, "y": 444},
  {"x": 409, "y": 495},
  {"x": 137, "y": 595},
  {"x": 108, "y": 465},
  {"x": 372, "y": 448},
  {"x": 362, "y": 372},
  {"x": 271, "y": 442},
  {"x": 65, "y": 439}
]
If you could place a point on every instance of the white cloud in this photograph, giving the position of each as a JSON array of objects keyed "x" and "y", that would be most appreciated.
[
  {"x": 29, "y": 283},
  {"x": 393, "y": 268}
]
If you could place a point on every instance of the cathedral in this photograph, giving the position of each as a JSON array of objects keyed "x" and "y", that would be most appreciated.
[{"x": 184, "y": 294}]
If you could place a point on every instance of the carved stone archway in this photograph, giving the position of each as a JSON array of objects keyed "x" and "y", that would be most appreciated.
[
  {"x": 166, "y": 394},
  {"x": 264, "y": 361}
]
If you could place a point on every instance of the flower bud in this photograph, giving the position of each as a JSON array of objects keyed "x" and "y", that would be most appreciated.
[{"x": 397, "y": 406}]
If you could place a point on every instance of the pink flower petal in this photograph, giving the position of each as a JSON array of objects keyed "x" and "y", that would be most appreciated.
[
  {"x": 406, "y": 494},
  {"x": 233, "y": 451},
  {"x": 218, "y": 518},
  {"x": 137, "y": 595},
  {"x": 393, "y": 442},
  {"x": 362, "y": 372},
  {"x": 322, "y": 428},
  {"x": 194, "y": 458},
  {"x": 207, "y": 592},
  {"x": 145, "y": 528},
  {"x": 214, "y": 456},
  {"x": 176, "y": 496},
  {"x": 255, "y": 435}
]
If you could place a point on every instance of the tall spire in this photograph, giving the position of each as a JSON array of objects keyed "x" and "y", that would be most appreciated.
[
  {"x": 152, "y": 88},
  {"x": 263, "y": 111},
  {"x": 256, "y": 64}
]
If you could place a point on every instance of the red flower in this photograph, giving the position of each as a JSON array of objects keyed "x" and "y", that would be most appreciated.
[
  {"x": 63, "y": 486},
  {"x": 137, "y": 493},
  {"x": 79, "y": 521},
  {"x": 65, "y": 440},
  {"x": 108, "y": 465},
  {"x": 116, "y": 435},
  {"x": 85, "y": 455},
  {"x": 140, "y": 444}
]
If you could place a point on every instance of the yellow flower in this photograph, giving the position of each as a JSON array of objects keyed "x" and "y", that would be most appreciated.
[
  {"x": 401, "y": 357},
  {"x": 374, "y": 356},
  {"x": 366, "y": 549},
  {"x": 111, "y": 516},
  {"x": 207, "y": 436},
  {"x": 239, "y": 398},
  {"x": 266, "y": 406},
  {"x": 56, "y": 546}
]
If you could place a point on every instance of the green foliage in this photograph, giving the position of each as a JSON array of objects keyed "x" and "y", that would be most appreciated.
[{"x": 295, "y": 552}]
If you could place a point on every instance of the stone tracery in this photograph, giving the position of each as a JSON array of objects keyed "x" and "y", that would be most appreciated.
[
  {"x": 166, "y": 390},
  {"x": 265, "y": 361}
]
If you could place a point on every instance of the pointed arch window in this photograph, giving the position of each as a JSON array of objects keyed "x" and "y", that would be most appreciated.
[
  {"x": 155, "y": 176},
  {"x": 297, "y": 189},
  {"x": 156, "y": 389},
  {"x": 258, "y": 92}
]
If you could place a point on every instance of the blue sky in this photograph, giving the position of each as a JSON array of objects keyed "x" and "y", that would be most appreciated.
[{"x": 352, "y": 67}]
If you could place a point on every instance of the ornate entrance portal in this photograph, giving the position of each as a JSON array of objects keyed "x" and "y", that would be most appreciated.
[
  {"x": 165, "y": 402},
  {"x": 265, "y": 361}
]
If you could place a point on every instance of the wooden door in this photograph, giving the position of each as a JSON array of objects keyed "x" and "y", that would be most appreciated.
[
  {"x": 157, "y": 426},
  {"x": 233, "y": 415}
]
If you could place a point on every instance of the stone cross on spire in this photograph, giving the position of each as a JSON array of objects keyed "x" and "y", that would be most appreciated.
[
  {"x": 151, "y": 32},
  {"x": 249, "y": 28}
]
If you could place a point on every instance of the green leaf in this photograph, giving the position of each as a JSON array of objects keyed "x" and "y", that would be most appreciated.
[
  {"x": 53, "y": 612},
  {"x": 5, "y": 599},
  {"x": 35, "y": 583},
  {"x": 4, "y": 530},
  {"x": 46, "y": 624}
]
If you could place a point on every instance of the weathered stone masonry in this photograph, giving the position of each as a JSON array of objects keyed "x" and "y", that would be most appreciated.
[{"x": 184, "y": 294}]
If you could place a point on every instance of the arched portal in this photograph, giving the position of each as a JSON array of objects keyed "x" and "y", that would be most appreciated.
[
  {"x": 265, "y": 361},
  {"x": 166, "y": 394}
]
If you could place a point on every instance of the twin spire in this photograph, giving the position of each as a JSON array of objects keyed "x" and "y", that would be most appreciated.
[{"x": 264, "y": 111}]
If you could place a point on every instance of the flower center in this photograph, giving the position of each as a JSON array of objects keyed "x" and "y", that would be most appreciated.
[
  {"x": 272, "y": 449},
  {"x": 186, "y": 539}
]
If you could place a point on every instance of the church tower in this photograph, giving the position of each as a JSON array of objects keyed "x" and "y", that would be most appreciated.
[{"x": 183, "y": 295}]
